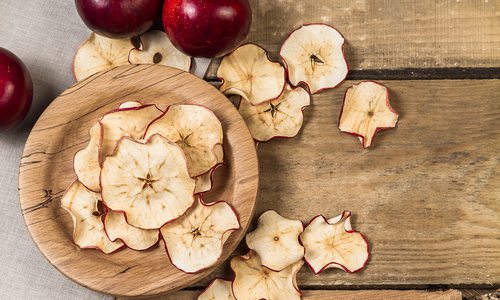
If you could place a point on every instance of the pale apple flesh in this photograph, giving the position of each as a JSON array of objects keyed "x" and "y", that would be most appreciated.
[
  {"x": 88, "y": 228},
  {"x": 254, "y": 281},
  {"x": 249, "y": 73},
  {"x": 99, "y": 54},
  {"x": 276, "y": 240},
  {"x": 218, "y": 289},
  {"x": 147, "y": 181},
  {"x": 314, "y": 56},
  {"x": 194, "y": 242},
  {"x": 366, "y": 111},
  {"x": 333, "y": 244},
  {"x": 117, "y": 228},
  {"x": 196, "y": 130},
  {"x": 156, "y": 48},
  {"x": 282, "y": 117}
]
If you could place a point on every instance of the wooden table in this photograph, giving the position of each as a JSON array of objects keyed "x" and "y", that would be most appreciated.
[{"x": 427, "y": 195}]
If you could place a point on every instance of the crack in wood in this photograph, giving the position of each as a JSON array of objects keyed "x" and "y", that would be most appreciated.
[{"x": 48, "y": 198}]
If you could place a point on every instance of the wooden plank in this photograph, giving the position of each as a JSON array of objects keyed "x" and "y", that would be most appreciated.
[
  {"x": 345, "y": 295},
  {"x": 426, "y": 195},
  {"x": 392, "y": 34}
]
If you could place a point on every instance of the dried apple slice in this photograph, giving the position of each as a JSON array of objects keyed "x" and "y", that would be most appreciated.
[
  {"x": 148, "y": 181},
  {"x": 333, "y": 243},
  {"x": 86, "y": 162},
  {"x": 276, "y": 240},
  {"x": 131, "y": 122},
  {"x": 254, "y": 281},
  {"x": 366, "y": 111},
  {"x": 100, "y": 53},
  {"x": 116, "y": 227},
  {"x": 282, "y": 117},
  {"x": 250, "y": 73},
  {"x": 205, "y": 182},
  {"x": 88, "y": 229},
  {"x": 196, "y": 130},
  {"x": 194, "y": 242},
  {"x": 130, "y": 104},
  {"x": 313, "y": 55},
  {"x": 156, "y": 48},
  {"x": 218, "y": 289}
]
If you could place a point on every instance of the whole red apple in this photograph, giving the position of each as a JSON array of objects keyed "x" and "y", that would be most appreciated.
[
  {"x": 207, "y": 28},
  {"x": 16, "y": 90},
  {"x": 118, "y": 18}
]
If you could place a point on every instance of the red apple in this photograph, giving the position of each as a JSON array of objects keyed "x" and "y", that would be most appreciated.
[
  {"x": 16, "y": 90},
  {"x": 118, "y": 18},
  {"x": 207, "y": 28}
]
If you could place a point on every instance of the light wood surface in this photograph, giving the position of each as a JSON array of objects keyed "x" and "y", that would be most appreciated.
[
  {"x": 46, "y": 171},
  {"x": 392, "y": 34},
  {"x": 346, "y": 295}
]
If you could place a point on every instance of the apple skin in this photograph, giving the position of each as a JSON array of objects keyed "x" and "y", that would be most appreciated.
[
  {"x": 207, "y": 28},
  {"x": 118, "y": 19},
  {"x": 16, "y": 90}
]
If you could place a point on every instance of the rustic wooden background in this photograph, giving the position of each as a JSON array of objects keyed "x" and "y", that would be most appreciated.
[{"x": 427, "y": 195}]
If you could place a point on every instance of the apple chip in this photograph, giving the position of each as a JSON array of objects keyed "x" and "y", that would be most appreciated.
[
  {"x": 250, "y": 73},
  {"x": 116, "y": 227},
  {"x": 86, "y": 162},
  {"x": 253, "y": 281},
  {"x": 194, "y": 242},
  {"x": 366, "y": 111},
  {"x": 131, "y": 122},
  {"x": 131, "y": 119},
  {"x": 100, "y": 53},
  {"x": 276, "y": 240},
  {"x": 218, "y": 289},
  {"x": 196, "y": 130},
  {"x": 282, "y": 117},
  {"x": 148, "y": 181},
  {"x": 313, "y": 55},
  {"x": 130, "y": 104},
  {"x": 88, "y": 229},
  {"x": 333, "y": 243},
  {"x": 156, "y": 48},
  {"x": 204, "y": 182}
]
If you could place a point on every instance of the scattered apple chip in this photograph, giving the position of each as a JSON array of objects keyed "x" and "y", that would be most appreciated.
[
  {"x": 254, "y": 281},
  {"x": 194, "y": 242},
  {"x": 100, "y": 53},
  {"x": 156, "y": 48},
  {"x": 83, "y": 206},
  {"x": 313, "y": 55},
  {"x": 276, "y": 240},
  {"x": 116, "y": 227},
  {"x": 250, "y": 73},
  {"x": 366, "y": 111},
  {"x": 282, "y": 117},
  {"x": 333, "y": 243},
  {"x": 218, "y": 289},
  {"x": 196, "y": 130},
  {"x": 148, "y": 181},
  {"x": 86, "y": 162}
]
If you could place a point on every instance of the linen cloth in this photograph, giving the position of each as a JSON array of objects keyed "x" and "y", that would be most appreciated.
[{"x": 45, "y": 34}]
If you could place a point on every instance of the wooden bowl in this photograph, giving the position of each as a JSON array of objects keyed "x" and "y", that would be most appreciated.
[{"x": 47, "y": 170}]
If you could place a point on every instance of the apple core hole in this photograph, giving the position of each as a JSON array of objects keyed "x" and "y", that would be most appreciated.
[
  {"x": 370, "y": 113},
  {"x": 157, "y": 58},
  {"x": 276, "y": 238}
]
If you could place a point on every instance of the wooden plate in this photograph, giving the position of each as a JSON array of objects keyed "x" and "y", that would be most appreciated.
[{"x": 47, "y": 170}]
